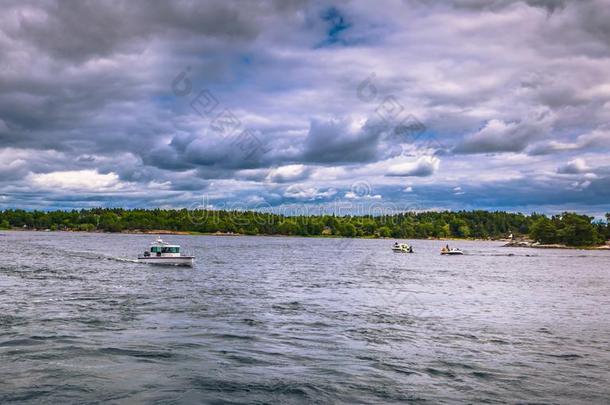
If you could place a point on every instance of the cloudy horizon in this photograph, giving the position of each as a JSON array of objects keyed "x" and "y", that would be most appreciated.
[{"x": 426, "y": 105}]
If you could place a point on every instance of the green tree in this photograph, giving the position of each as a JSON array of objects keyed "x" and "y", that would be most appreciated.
[
  {"x": 464, "y": 231},
  {"x": 384, "y": 232},
  {"x": 544, "y": 231},
  {"x": 348, "y": 230},
  {"x": 288, "y": 227},
  {"x": 109, "y": 222},
  {"x": 445, "y": 231},
  {"x": 577, "y": 230},
  {"x": 86, "y": 227},
  {"x": 569, "y": 228},
  {"x": 459, "y": 228}
]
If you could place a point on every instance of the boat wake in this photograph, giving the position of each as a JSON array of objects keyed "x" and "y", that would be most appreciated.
[
  {"x": 122, "y": 259},
  {"x": 95, "y": 256},
  {"x": 98, "y": 256},
  {"x": 505, "y": 254}
]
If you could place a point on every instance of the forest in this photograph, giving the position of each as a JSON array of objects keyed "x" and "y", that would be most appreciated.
[{"x": 568, "y": 228}]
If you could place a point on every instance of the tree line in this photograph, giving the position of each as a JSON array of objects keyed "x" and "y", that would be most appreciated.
[{"x": 568, "y": 228}]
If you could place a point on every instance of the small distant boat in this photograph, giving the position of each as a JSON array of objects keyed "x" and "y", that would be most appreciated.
[
  {"x": 402, "y": 248},
  {"x": 452, "y": 251},
  {"x": 164, "y": 253}
]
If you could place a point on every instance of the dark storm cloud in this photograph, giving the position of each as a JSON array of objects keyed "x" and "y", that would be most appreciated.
[
  {"x": 82, "y": 77},
  {"x": 71, "y": 61},
  {"x": 598, "y": 140},
  {"x": 499, "y": 136},
  {"x": 550, "y": 5},
  {"x": 337, "y": 142},
  {"x": 515, "y": 195},
  {"x": 89, "y": 114},
  {"x": 80, "y": 30}
]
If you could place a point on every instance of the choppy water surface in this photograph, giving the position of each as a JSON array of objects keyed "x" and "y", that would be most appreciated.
[{"x": 294, "y": 320}]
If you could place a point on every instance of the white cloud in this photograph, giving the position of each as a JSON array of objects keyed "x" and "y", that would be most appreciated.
[
  {"x": 596, "y": 139},
  {"x": 580, "y": 185},
  {"x": 424, "y": 166},
  {"x": 77, "y": 180},
  {"x": 289, "y": 173},
  {"x": 351, "y": 195},
  {"x": 307, "y": 193},
  {"x": 575, "y": 166}
]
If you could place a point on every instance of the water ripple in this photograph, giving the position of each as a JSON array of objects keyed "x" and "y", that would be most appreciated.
[{"x": 299, "y": 321}]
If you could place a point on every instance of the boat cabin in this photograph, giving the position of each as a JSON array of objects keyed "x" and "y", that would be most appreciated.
[{"x": 162, "y": 249}]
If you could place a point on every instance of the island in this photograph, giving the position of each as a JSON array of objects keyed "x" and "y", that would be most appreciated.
[{"x": 535, "y": 230}]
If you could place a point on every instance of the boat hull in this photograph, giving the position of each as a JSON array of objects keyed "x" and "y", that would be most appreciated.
[
  {"x": 168, "y": 261},
  {"x": 452, "y": 253}
]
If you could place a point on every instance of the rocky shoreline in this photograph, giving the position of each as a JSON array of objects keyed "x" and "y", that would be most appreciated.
[{"x": 531, "y": 244}]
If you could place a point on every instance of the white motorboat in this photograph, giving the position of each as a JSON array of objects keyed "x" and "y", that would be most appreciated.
[
  {"x": 164, "y": 253},
  {"x": 402, "y": 248},
  {"x": 452, "y": 251}
]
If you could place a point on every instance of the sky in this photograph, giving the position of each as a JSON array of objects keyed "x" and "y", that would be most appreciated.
[{"x": 349, "y": 107}]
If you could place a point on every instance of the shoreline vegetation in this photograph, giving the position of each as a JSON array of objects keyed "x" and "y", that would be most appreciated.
[{"x": 568, "y": 230}]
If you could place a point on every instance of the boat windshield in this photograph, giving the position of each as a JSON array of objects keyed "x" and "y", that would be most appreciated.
[{"x": 165, "y": 249}]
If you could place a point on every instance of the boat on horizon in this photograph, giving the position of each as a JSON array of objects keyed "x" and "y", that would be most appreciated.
[
  {"x": 402, "y": 248},
  {"x": 163, "y": 253},
  {"x": 451, "y": 251}
]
